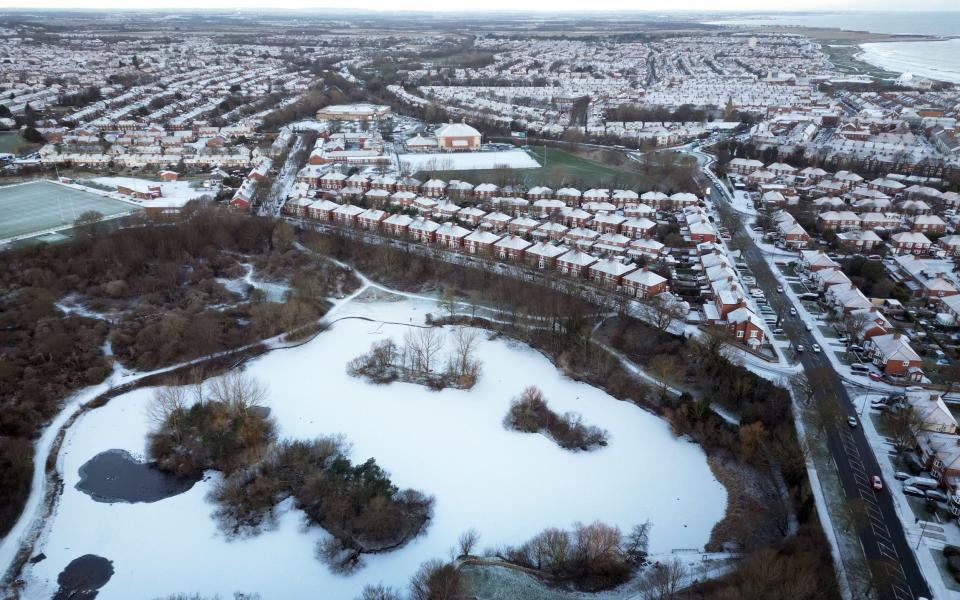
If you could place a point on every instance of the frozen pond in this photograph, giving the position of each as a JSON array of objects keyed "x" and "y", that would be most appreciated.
[
  {"x": 116, "y": 476},
  {"x": 81, "y": 579},
  {"x": 450, "y": 444}
]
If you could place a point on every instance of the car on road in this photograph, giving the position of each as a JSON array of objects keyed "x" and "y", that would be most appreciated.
[
  {"x": 808, "y": 327},
  {"x": 913, "y": 491},
  {"x": 816, "y": 347},
  {"x": 799, "y": 348},
  {"x": 876, "y": 483},
  {"x": 780, "y": 289},
  {"x": 793, "y": 311},
  {"x": 852, "y": 422}
]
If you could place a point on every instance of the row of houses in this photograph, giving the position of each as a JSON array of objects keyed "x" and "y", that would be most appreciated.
[
  {"x": 888, "y": 349},
  {"x": 358, "y": 184},
  {"x": 569, "y": 254}
]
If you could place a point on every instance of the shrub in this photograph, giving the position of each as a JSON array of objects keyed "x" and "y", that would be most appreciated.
[
  {"x": 593, "y": 557},
  {"x": 531, "y": 414}
]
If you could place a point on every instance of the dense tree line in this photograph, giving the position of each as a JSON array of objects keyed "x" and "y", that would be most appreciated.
[{"x": 150, "y": 289}]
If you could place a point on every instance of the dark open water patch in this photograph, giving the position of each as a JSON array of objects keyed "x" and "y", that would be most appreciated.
[
  {"x": 83, "y": 577},
  {"x": 115, "y": 476}
]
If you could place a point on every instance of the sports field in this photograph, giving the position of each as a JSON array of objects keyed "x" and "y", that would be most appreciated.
[{"x": 33, "y": 208}]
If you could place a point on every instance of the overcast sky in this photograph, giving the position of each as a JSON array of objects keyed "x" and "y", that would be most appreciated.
[{"x": 473, "y": 5}]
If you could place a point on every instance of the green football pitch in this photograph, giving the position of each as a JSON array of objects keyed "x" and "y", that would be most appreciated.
[{"x": 41, "y": 206}]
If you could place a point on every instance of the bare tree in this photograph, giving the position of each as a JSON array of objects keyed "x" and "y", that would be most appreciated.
[
  {"x": 663, "y": 368},
  {"x": 379, "y": 592},
  {"x": 421, "y": 347},
  {"x": 237, "y": 390},
  {"x": 467, "y": 541},
  {"x": 904, "y": 425},
  {"x": 664, "y": 582},
  {"x": 449, "y": 301},
  {"x": 663, "y": 310},
  {"x": 637, "y": 542},
  {"x": 465, "y": 345},
  {"x": 168, "y": 405},
  {"x": 436, "y": 580}
]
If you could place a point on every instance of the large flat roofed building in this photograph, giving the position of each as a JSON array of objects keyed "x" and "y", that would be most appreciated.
[
  {"x": 458, "y": 137},
  {"x": 354, "y": 112}
]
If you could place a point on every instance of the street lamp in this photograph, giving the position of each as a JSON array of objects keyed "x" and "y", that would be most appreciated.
[{"x": 923, "y": 530}]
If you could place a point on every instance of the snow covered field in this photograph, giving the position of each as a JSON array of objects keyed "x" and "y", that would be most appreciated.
[
  {"x": 451, "y": 444},
  {"x": 175, "y": 193},
  {"x": 467, "y": 161},
  {"x": 936, "y": 60}
]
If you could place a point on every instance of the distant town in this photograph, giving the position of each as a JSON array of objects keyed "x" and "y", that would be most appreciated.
[{"x": 746, "y": 234}]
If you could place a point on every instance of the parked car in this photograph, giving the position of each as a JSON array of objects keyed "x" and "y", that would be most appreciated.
[
  {"x": 777, "y": 331},
  {"x": 936, "y": 495},
  {"x": 923, "y": 483},
  {"x": 876, "y": 483},
  {"x": 875, "y": 377},
  {"x": 808, "y": 327},
  {"x": 793, "y": 311},
  {"x": 901, "y": 475},
  {"x": 859, "y": 368},
  {"x": 852, "y": 422},
  {"x": 912, "y": 491},
  {"x": 855, "y": 348}
]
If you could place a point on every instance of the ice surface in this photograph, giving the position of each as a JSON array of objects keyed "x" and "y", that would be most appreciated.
[{"x": 450, "y": 444}]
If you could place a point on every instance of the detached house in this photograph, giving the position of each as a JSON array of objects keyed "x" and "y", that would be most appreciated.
[
  {"x": 643, "y": 283},
  {"x": 511, "y": 248},
  {"x": 892, "y": 353},
  {"x": 575, "y": 263},
  {"x": 451, "y": 235},
  {"x": 746, "y": 326},
  {"x": 609, "y": 272},
  {"x": 543, "y": 255},
  {"x": 480, "y": 242},
  {"x": 910, "y": 242}
]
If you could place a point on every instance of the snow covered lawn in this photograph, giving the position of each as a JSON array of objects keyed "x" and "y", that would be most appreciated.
[
  {"x": 174, "y": 193},
  {"x": 467, "y": 161},
  {"x": 451, "y": 444}
]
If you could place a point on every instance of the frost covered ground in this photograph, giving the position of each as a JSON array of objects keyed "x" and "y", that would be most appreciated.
[
  {"x": 175, "y": 193},
  {"x": 467, "y": 161},
  {"x": 450, "y": 444}
]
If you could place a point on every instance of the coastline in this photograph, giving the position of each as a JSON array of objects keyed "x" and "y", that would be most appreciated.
[{"x": 938, "y": 60}]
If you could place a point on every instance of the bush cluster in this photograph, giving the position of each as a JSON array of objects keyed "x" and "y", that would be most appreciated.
[
  {"x": 531, "y": 414},
  {"x": 592, "y": 557}
]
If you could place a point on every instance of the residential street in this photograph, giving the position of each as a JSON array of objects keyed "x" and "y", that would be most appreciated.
[{"x": 884, "y": 542}]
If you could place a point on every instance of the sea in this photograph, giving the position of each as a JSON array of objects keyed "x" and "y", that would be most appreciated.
[
  {"x": 937, "y": 23},
  {"x": 935, "y": 59}
]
